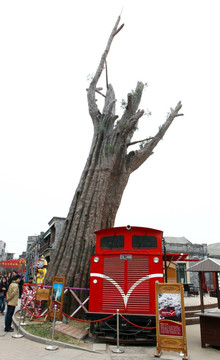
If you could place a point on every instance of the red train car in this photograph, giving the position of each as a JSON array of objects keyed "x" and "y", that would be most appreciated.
[{"x": 127, "y": 263}]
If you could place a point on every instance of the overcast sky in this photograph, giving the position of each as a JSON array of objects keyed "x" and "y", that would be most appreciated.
[{"x": 48, "y": 50}]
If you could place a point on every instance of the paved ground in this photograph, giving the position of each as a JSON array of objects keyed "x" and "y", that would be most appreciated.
[
  {"x": 195, "y": 300},
  {"x": 25, "y": 349}
]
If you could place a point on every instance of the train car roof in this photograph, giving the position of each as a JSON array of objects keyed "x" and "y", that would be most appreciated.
[{"x": 128, "y": 228}]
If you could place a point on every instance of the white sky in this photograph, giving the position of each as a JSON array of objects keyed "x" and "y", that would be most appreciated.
[{"x": 48, "y": 48}]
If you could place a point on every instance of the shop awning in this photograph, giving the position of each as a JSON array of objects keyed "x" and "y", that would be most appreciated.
[{"x": 178, "y": 257}]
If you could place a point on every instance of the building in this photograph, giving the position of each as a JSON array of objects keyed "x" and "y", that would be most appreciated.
[
  {"x": 2, "y": 254},
  {"x": 214, "y": 250},
  {"x": 32, "y": 241},
  {"x": 43, "y": 244},
  {"x": 23, "y": 255},
  {"x": 9, "y": 256},
  {"x": 2, "y": 250},
  {"x": 51, "y": 236},
  {"x": 195, "y": 251},
  {"x": 32, "y": 253}
]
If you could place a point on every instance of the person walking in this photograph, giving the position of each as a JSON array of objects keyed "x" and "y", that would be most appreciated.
[
  {"x": 12, "y": 301},
  {"x": 3, "y": 290}
]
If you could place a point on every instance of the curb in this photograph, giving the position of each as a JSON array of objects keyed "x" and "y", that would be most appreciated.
[{"x": 47, "y": 341}]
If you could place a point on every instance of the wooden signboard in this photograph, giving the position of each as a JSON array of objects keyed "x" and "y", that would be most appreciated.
[
  {"x": 170, "y": 319},
  {"x": 42, "y": 295},
  {"x": 57, "y": 294}
]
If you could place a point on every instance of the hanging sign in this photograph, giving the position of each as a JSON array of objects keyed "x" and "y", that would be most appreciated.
[
  {"x": 57, "y": 295},
  {"x": 170, "y": 318},
  {"x": 14, "y": 263}
]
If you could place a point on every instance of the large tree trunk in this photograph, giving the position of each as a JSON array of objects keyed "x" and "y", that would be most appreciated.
[{"x": 104, "y": 178}]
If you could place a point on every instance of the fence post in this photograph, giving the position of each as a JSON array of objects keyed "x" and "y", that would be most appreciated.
[
  {"x": 18, "y": 335},
  {"x": 22, "y": 316},
  {"x": 117, "y": 350},
  {"x": 52, "y": 346}
]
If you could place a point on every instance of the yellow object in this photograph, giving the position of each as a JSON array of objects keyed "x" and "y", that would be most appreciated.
[{"x": 41, "y": 273}]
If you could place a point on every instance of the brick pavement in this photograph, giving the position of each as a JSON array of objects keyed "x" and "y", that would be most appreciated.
[
  {"x": 25, "y": 349},
  {"x": 195, "y": 300},
  {"x": 71, "y": 331}
]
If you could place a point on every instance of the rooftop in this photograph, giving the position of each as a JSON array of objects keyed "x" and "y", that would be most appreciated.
[{"x": 177, "y": 240}]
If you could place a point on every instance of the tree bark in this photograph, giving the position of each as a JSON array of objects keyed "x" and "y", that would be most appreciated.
[{"x": 104, "y": 178}]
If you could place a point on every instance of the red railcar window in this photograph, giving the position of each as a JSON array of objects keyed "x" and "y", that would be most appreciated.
[
  {"x": 144, "y": 242},
  {"x": 112, "y": 242}
]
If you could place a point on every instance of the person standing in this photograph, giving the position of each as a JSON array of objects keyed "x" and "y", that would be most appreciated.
[
  {"x": 3, "y": 290},
  {"x": 14, "y": 272},
  {"x": 20, "y": 288},
  {"x": 12, "y": 301}
]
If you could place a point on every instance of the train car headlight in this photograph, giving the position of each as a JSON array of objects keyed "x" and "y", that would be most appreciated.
[
  {"x": 156, "y": 260},
  {"x": 96, "y": 259}
]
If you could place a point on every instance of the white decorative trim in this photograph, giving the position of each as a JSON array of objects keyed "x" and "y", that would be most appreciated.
[{"x": 126, "y": 297}]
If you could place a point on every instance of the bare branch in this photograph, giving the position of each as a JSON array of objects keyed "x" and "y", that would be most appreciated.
[
  {"x": 139, "y": 141},
  {"x": 104, "y": 55},
  {"x": 106, "y": 74},
  {"x": 99, "y": 92},
  {"x": 141, "y": 156},
  {"x": 179, "y": 115},
  {"x": 109, "y": 106},
  {"x": 119, "y": 29},
  {"x": 93, "y": 108},
  {"x": 129, "y": 120}
]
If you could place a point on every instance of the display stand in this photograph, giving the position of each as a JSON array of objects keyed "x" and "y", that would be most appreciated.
[
  {"x": 57, "y": 297},
  {"x": 170, "y": 319}
]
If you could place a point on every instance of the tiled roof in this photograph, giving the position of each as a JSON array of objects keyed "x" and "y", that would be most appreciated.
[
  {"x": 206, "y": 265},
  {"x": 177, "y": 240}
]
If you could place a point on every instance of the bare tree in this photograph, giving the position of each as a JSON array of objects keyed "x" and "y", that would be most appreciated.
[{"x": 105, "y": 176}]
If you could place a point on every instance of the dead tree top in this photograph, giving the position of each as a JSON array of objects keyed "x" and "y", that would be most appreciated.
[{"x": 128, "y": 122}]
